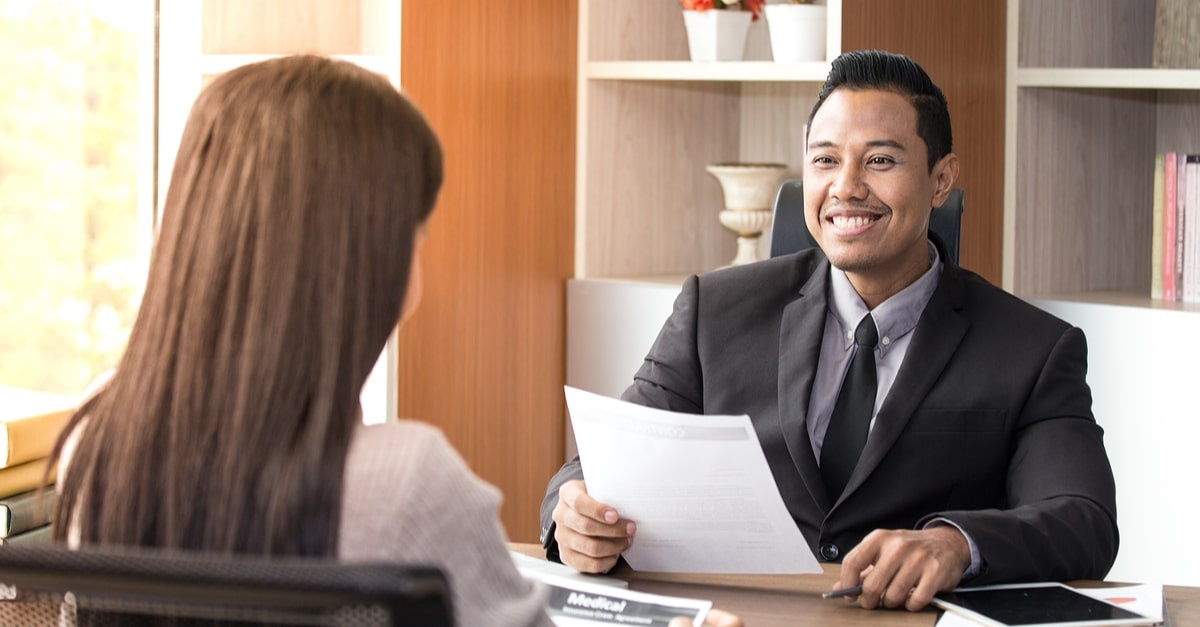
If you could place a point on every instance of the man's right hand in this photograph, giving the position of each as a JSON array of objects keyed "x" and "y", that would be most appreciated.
[{"x": 590, "y": 534}]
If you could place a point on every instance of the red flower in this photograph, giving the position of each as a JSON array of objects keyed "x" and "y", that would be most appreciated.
[{"x": 753, "y": 6}]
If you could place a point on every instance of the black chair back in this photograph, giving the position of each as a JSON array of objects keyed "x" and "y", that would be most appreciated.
[
  {"x": 789, "y": 233},
  {"x": 52, "y": 585}
]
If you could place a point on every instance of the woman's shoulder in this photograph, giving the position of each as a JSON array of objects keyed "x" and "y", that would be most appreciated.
[
  {"x": 408, "y": 456},
  {"x": 404, "y": 479},
  {"x": 399, "y": 434},
  {"x": 409, "y": 497},
  {"x": 401, "y": 447}
]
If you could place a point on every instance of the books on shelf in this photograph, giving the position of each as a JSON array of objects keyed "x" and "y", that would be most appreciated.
[
  {"x": 24, "y": 477},
  {"x": 1167, "y": 264},
  {"x": 26, "y": 511},
  {"x": 30, "y": 438},
  {"x": 30, "y": 423},
  {"x": 1156, "y": 244},
  {"x": 1191, "y": 233},
  {"x": 1175, "y": 251},
  {"x": 38, "y": 535}
]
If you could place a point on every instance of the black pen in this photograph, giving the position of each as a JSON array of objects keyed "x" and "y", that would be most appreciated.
[{"x": 844, "y": 592}]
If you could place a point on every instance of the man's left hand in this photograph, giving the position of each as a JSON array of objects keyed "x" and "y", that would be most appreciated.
[{"x": 900, "y": 568}]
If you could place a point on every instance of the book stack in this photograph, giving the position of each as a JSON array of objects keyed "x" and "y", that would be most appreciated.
[
  {"x": 1175, "y": 250},
  {"x": 30, "y": 423}
]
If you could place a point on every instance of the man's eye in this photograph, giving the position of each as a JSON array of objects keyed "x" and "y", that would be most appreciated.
[{"x": 881, "y": 161}]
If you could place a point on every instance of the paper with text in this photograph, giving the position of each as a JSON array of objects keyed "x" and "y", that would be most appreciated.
[
  {"x": 571, "y": 602},
  {"x": 698, "y": 487}
]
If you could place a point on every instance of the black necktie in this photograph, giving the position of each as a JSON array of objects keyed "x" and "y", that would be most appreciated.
[{"x": 847, "y": 432}]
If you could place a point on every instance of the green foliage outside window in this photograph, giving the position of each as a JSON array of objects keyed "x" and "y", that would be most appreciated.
[{"x": 69, "y": 274}]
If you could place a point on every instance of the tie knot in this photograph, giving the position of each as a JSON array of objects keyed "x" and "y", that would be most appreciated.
[{"x": 866, "y": 335}]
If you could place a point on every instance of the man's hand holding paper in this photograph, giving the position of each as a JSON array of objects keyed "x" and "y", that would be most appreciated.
[
  {"x": 591, "y": 535},
  {"x": 696, "y": 490}
]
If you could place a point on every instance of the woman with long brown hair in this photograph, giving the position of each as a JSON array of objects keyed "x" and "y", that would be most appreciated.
[{"x": 288, "y": 252}]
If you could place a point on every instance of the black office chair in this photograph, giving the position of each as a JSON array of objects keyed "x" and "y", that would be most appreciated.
[
  {"x": 790, "y": 234},
  {"x": 52, "y": 585}
]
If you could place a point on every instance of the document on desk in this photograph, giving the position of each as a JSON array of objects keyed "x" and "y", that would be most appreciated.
[
  {"x": 698, "y": 487},
  {"x": 575, "y": 603}
]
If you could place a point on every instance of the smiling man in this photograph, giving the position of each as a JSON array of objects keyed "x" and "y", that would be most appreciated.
[{"x": 924, "y": 427}]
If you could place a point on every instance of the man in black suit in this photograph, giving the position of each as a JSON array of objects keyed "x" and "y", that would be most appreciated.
[{"x": 982, "y": 461}]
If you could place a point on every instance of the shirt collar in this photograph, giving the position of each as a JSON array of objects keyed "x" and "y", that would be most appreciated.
[{"x": 895, "y": 317}]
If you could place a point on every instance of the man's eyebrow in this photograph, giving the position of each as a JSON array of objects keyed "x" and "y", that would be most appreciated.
[{"x": 875, "y": 143}]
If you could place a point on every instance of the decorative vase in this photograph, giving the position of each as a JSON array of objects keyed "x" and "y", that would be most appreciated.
[
  {"x": 748, "y": 189},
  {"x": 716, "y": 35},
  {"x": 797, "y": 32}
]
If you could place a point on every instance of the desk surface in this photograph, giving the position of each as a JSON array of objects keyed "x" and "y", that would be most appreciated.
[{"x": 768, "y": 600}]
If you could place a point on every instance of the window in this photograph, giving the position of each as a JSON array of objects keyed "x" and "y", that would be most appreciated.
[
  {"x": 88, "y": 96},
  {"x": 76, "y": 186}
]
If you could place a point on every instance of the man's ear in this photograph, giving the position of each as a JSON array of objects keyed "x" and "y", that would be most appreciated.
[{"x": 945, "y": 173}]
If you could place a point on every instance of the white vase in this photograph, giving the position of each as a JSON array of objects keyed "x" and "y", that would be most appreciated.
[
  {"x": 797, "y": 32},
  {"x": 716, "y": 35},
  {"x": 749, "y": 191}
]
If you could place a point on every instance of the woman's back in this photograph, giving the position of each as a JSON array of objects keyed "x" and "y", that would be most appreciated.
[{"x": 409, "y": 497}]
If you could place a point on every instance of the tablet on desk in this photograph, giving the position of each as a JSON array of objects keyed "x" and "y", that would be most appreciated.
[{"x": 1036, "y": 604}]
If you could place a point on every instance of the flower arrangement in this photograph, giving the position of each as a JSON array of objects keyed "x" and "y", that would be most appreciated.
[{"x": 755, "y": 7}]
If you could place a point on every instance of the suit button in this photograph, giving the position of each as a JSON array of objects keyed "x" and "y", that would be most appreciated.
[{"x": 829, "y": 552}]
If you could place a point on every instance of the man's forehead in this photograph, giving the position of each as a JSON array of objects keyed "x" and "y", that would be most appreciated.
[{"x": 884, "y": 117}]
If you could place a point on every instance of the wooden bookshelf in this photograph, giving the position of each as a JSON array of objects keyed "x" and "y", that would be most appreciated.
[
  {"x": 1086, "y": 114},
  {"x": 650, "y": 120}
]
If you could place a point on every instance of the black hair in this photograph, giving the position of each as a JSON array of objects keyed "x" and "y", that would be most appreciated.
[{"x": 876, "y": 69}]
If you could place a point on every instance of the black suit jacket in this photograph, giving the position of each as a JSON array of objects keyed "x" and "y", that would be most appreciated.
[{"x": 988, "y": 424}]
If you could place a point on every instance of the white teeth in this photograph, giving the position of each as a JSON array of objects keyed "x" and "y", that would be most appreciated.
[{"x": 850, "y": 222}]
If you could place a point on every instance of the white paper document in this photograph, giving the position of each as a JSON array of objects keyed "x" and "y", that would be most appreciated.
[
  {"x": 571, "y": 602},
  {"x": 698, "y": 487}
]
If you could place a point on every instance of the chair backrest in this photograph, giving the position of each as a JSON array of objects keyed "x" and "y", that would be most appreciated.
[
  {"x": 52, "y": 585},
  {"x": 790, "y": 234}
]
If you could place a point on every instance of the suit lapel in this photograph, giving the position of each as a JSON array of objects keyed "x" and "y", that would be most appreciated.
[
  {"x": 935, "y": 339},
  {"x": 800, "y": 331}
]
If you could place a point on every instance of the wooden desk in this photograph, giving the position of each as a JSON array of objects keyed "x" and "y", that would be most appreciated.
[{"x": 795, "y": 600}]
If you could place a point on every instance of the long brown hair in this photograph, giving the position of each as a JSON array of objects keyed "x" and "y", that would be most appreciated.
[{"x": 278, "y": 274}]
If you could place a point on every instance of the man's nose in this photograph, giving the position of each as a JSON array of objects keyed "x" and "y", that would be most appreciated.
[{"x": 849, "y": 184}]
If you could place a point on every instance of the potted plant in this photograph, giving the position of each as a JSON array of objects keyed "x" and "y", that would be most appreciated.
[
  {"x": 716, "y": 29},
  {"x": 797, "y": 31}
]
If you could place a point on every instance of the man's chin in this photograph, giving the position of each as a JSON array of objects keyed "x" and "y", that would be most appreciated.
[{"x": 847, "y": 259}]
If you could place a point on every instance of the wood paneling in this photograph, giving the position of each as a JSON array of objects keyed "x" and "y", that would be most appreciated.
[
  {"x": 638, "y": 218},
  {"x": 961, "y": 45},
  {"x": 1086, "y": 33},
  {"x": 1086, "y": 227},
  {"x": 484, "y": 356}
]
